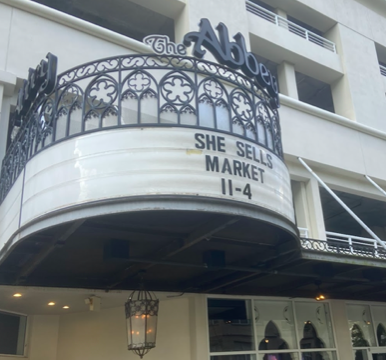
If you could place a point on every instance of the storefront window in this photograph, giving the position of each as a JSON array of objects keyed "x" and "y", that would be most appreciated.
[
  {"x": 270, "y": 330},
  {"x": 12, "y": 330},
  {"x": 361, "y": 354},
  {"x": 314, "y": 325},
  {"x": 367, "y": 326},
  {"x": 274, "y": 322},
  {"x": 319, "y": 355},
  {"x": 361, "y": 327},
  {"x": 230, "y": 326},
  {"x": 379, "y": 315}
]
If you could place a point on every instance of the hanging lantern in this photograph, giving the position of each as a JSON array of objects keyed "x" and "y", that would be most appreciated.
[{"x": 141, "y": 321}]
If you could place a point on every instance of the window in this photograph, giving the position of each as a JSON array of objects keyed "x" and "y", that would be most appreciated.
[
  {"x": 123, "y": 17},
  {"x": 263, "y": 5},
  {"x": 314, "y": 92},
  {"x": 381, "y": 54},
  {"x": 12, "y": 330},
  {"x": 304, "y": 25},
  {"x": 270, "y": 330},
  {"x": 344, "y": 233},
  {"x": 367, "y": 326}
]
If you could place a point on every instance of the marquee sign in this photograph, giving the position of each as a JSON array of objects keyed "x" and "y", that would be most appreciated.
[
  {"x": 233, "y": 54},
  {"x": 162, "y": 45},
  {"x": 203, "y": 134}
]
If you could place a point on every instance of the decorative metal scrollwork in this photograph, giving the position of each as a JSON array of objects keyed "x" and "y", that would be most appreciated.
[
  {"x": 337, "y": 247},
  {"x": 213, "y": 89},
  {"x": 143, "y": 90},
  {"x": 177, "y": 89},
  {"x": 101, "y": 93}
]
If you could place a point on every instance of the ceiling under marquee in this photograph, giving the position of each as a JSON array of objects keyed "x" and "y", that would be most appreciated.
[{"x": 185, "y": 251}]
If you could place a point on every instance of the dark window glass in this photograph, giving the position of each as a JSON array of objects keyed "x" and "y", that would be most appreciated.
[
  {"x": 264, "y": 5},
  {"x": 310, "y": 338},
  {"x": 357, "y": 337},
  {"x": 233, "y": 357},
  {"x": 123, "y": 17},
  {"x": 12, "y": 333},
  {"x": 379, "y": 356},
  {"x": 319, "y": 355},
  {"x": 280, "y": 356},
  {"x": 360, "y": 355},
  {"x": 314, "y": 92},
  {"x": 272, "y": 339},
  {"x": 230, "y": 327}
]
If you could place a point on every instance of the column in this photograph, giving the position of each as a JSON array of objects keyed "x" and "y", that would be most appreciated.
[
  {"x": 43, "y": 339},
  {"x": 308, "y": 208},
  {"x": 317, "y": 229},
  {"x": 199, "y": 327},
  {"x": 341, "y": 329},
  {"x": 301, "y": 205},
  {"x": 287, "y": 80},
  {"x": 7, "y": 89}
]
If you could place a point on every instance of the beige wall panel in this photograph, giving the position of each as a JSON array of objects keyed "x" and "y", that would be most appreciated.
[
  {"x": 364, "y": 78},
  {"x": 321, "y": 141},
  {"x": 5, "y": 24},
  {"x": 101, "y": 336},
  {"x": 353, "y": 15},
  {"x": 374, "y": 154},
  {"x": 36, "y": 36},
  {"x": 43, "y": 339}
]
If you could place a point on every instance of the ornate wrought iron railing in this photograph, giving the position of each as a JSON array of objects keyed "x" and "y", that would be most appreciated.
[
  {"x": 290, "y": 26},
  {"x": 345, "y": 245},
  {"x": 143, "y": 90}
]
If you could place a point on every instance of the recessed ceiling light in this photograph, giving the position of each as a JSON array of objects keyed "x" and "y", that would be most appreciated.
[
  {"x": 17, "y": 295},
  {"x": 66, "y": 307},
  {"x": 51, "y": 303}
]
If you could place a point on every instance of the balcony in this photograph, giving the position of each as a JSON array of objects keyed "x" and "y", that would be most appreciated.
[
  {"x": 342, "y": 244},
  {"x": 382, "y": 70},
  {"x": 290, "y": 26}
]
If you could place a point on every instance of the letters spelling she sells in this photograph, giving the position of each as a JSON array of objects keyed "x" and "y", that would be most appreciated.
[
  {"x": 241, "y": 168},
  {"x": 233, "y": 55}
]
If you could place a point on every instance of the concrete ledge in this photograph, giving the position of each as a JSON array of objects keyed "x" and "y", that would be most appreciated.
[
  {"x": 326, "y": 115},
  {"x": 8, "y": 80},
  {"x": 78, "y": 24}
]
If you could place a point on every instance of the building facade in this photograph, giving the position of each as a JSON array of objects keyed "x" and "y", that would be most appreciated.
[{"x": 227, "y": 155}]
